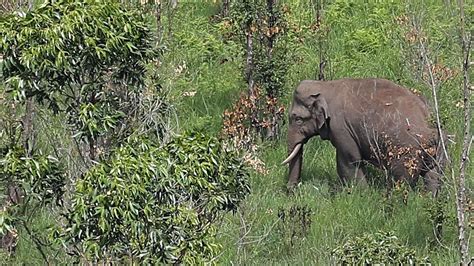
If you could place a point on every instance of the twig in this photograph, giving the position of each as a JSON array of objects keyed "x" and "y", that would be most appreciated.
[
  {"x": 469, "y": 146},
  {"x": 37, "y": 242}
]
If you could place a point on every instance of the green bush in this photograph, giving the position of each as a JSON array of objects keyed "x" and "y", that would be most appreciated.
[
  {"x": 378, "y": 248},
  {"x": 40, "y": 176},
  {"x": 32, "y": 182},
  {"x": 156, "y": 205}
]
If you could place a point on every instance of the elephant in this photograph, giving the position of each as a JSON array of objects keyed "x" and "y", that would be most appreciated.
[{"x": 368, "y": 121}]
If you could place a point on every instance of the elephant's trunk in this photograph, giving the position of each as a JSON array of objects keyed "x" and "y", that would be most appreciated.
[{"x": 295, "y": 159}]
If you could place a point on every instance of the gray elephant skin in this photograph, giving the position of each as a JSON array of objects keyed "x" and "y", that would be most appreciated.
[{"x": 368, "y": 121}]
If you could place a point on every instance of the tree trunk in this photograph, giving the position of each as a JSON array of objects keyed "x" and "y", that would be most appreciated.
[
  {"x": 461, "y": 195},
  {"x": 225, "y": 8},
  {"x": 171, "y": 9},
  {"x": 434, "y": 83},
  {"x": 321, "y": 40},
  {"x": 273, "y": 130},
  {"x": 158, "y": 16},
  {"x": 92, "y": 148},
  {"x": 27, "y": 123},
  {"x": 271, "y": 25},
  {"x": 249, "y": 60}
]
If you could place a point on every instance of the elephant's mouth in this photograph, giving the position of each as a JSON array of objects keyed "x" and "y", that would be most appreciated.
[{"x": 293, "y": 154}]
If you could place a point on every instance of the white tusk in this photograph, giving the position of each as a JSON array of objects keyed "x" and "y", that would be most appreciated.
[{"x": 293, "y": 153}]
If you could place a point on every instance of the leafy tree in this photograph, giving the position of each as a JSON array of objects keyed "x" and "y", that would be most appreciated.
[
  {"x": 84, "y": 58},
  {"x": 156, "y": 205},
  {"x": 264, "y": 22}
]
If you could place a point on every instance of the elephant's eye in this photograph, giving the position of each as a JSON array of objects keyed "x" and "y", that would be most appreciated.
[{"x": 299, "y": 120}]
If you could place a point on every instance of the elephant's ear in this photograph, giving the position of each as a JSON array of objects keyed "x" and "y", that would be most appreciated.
[{"x": 320, "y": 109}]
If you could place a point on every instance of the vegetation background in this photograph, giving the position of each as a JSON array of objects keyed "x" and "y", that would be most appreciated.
[{"x": 201, "y": 75}]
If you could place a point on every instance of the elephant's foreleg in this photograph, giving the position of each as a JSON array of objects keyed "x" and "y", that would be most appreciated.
[{"x": 349, "y": 168}]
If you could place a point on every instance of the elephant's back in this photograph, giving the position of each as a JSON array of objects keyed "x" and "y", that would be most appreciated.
[
  {"x": 372, "y": 100},
  {"x": 386, "y": 108},
  {"x": 386, "y": 97}
]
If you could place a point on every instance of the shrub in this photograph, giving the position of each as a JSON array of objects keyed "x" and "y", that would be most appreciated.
[
  {"x": 40, "y": 177},
  {"x": 378, "y": 248},
  {"x": 250, "y": 116},
  {"x": 31, "y": 182},
  {"x": 156, "y": 205}
]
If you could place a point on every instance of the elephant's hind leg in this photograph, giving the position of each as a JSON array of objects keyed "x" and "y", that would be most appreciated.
[
  {"x": 432, "y": 181},
  {"x": 403, "y": 170}
]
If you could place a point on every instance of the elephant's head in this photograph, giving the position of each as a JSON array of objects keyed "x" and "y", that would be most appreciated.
[{"x": 308, "y": 117}]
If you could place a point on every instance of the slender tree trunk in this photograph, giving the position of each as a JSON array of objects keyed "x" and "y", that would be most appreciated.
[
  {"x": 225, "y": 8},
  {"x": 158, "y": 9},
  {"x": 27, "y": 122},
  {"x": 92, "y": 149},
  {"x": 249, "y": 69},
  {"x": 271, "y": 25},
  {"x": 171, "y": 9},
  {"x": 272, "y": 131},
  {"x": 320, "y": 37},
  {"x": 249, "y": 60},
  {"x": 433, "y": 82},
  {"x": 461, "y": 186}
]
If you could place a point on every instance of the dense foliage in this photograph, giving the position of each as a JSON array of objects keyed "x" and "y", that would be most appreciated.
[
  {"x": 32, "y": 183},
  {"x": 86, "y": 61},
  {"x": 153, "y": 204},
  {"x": 84, "y": 58},
  {"x": 378, "y": 248},
  {"x": 66, "y": 43},
  {"x": 41, "y": 178}
]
